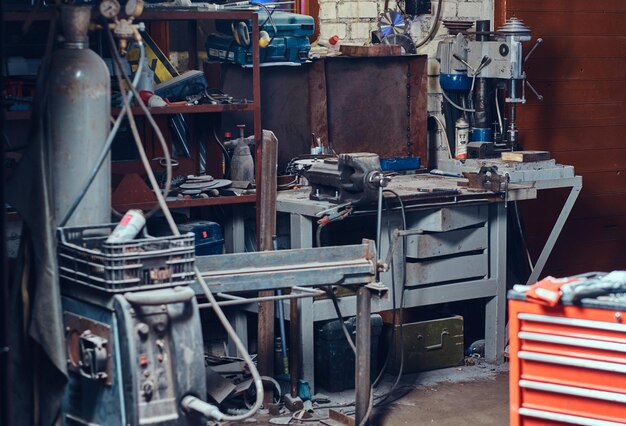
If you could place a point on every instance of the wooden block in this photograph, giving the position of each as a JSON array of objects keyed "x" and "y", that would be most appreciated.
[
  {"x": 370, "y": 50},
  {"x": 525, "y": 156}
]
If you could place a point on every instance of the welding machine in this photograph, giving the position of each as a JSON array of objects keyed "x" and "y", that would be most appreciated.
[
  {"x": 287, "y": 32},
  {"x": 133, "y": 333}
]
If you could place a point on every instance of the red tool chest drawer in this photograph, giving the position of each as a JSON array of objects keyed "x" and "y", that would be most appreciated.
[{"x": 568, "y": 364}]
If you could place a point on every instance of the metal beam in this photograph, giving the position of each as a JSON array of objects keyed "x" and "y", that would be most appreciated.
[{"x": 577, "y": 185}]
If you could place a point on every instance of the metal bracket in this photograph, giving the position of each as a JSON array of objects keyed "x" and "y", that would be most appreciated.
[
  {"x": 556, "y": 230},
  {"x": 89, "y": 348}
]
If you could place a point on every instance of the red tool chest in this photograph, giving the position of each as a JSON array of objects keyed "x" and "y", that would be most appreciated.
[{"x": 568, "y": 363}]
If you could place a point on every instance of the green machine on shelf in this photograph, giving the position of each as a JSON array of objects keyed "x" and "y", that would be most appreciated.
[{"x": 286, "y": 40}]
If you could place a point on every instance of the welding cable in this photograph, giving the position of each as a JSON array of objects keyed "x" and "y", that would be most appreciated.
[
  {"x": 107, "y": 145},
  {"x": 457, "y": 106},
  {"x": 269, "y": 18},
  {"x": 258, "y": 383},
  {"x": 383, "y": 398},
  {"x": 433, "y": 28},
  {"x": 218, "y": 311},
  {"x": 166, "y": 153},
  {"x": 381, "y": 373},
  {"x": 344, "y": 328},
  {"x": 318, "y": 237}
]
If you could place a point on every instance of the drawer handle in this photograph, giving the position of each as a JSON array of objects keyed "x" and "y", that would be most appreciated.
[{"x": 436, "y": 346}]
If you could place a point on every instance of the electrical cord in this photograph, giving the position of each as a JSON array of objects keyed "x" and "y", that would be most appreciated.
[
  {"x": 344, "y": 328},
  {"x": 457, "y": 106},
  {"x": 318, "y": 238},
  {"x": 402, "y": 293},
  {"x": 382, "y": 399},
  {"x": 433, "y": 28},
  {"x": 166, "y": 153},
  {"x": 445, "y": 135}
]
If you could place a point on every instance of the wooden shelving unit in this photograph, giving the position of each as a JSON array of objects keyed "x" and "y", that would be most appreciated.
[{"x": 15, "y": 14}]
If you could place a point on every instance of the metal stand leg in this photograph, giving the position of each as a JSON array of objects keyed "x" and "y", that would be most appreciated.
[
  {"x": 556, "y": 231},
  {"x": 301, "y": 231},
  {"x": 234, "y": 231},
  {"x": 363, "y": 349},
  {"x": 307, "y": 357},
  {"x": 495, "y": 308},
  {"x": 239, "y": 321},
  {"x": 294, "y": 347}
]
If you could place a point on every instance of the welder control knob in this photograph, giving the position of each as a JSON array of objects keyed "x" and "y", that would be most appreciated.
[
  {"x": 147, "y": 389},
  {"x": 142, "y": 330}
]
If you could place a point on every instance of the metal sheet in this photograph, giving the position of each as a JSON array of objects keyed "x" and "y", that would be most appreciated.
[
  {"x": 369, "y": 105},
  {"x": 437, "y": 271},
  {"x": 447, "y": 219},
  {"x": 446, "y": 243},
  {"x": 346, "y": 265}
]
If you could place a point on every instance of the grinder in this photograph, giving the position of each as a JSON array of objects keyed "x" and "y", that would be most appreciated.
[{"x": 349, "y": 178}]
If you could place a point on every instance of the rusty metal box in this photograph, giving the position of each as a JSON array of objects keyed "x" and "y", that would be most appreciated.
[{"x": 428, "y": 344}]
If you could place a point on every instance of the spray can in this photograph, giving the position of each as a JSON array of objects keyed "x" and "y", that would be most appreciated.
[
  {"x": 461, "y": 138},
  {"x": 128, "y": 228}
]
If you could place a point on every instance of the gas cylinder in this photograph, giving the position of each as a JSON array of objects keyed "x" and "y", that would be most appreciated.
[{"x": 78, "y": 121}]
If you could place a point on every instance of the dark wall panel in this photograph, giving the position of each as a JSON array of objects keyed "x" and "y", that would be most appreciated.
[{"x": 581, "y": 71}]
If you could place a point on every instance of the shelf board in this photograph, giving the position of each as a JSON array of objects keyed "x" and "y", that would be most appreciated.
[
  {"x": 189, "y": 109},
  {"x": 196, "y": 202},
  {"x": 150, "y": 14},
  {"x": 167, "y": 110}
]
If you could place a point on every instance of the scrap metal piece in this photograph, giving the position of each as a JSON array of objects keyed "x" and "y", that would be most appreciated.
[
  {"x": 455, "y": 27},
  {"x": 392, "y": 22},
  {"x": 402, "y": 40}
]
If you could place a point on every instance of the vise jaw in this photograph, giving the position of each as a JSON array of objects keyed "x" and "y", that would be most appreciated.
[{"x": 349, "y": 178}]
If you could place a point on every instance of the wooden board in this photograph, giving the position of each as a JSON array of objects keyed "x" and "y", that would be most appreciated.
[
  {"x": 525, "y": 156},
  {"x": 371, "y": 50}
]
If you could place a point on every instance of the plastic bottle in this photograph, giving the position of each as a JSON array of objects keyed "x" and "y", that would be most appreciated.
[{"x": 333, "y": 45}]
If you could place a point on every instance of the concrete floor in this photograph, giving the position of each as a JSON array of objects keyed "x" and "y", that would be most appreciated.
[
  {"x": 480, "y": 402},
  {"x": 474, "y": 395}
]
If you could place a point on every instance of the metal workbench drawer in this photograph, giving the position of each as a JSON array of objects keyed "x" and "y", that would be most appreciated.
[{"x": 451, "y": 245}]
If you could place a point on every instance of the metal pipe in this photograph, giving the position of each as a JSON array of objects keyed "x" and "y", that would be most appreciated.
[
  {"x": 281, "y": 323},
  {"x": 230, "y": 296},
  {"x": 379, "y": 217},
  {"x": 294, "y": 345},
  {"x": 247, "y": 301},
  {"x": 363, "y": 342}
]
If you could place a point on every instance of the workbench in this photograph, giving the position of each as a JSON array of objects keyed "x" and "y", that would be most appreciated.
[{"x": 454, "y": 250}]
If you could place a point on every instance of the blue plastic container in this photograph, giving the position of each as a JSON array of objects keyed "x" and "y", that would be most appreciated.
[{"x": 208, "y": 236}]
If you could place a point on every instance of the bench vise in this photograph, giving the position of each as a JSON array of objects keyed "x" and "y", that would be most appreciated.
[{"x": 349, "y": 178}]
